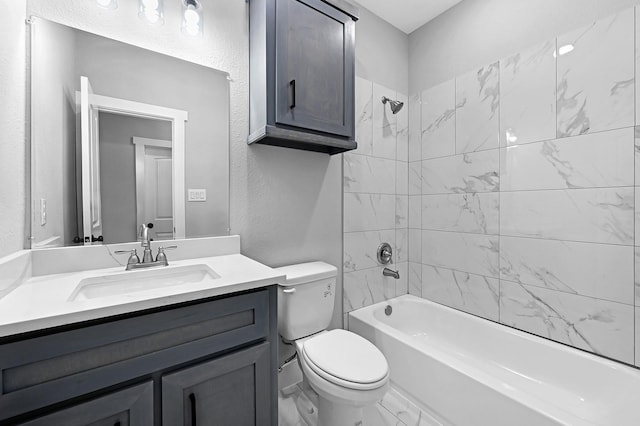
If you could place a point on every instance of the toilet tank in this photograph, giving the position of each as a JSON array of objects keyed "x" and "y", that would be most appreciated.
[{"x": 305, "y": 299}]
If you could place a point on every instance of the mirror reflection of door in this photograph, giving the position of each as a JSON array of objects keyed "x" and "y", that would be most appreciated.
[
  {"x": 153, "y": 186},
  {"x": 126, "y": 184}
]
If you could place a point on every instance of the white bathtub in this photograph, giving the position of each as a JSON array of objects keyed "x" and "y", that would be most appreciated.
[{"x": 467, "y": 371}]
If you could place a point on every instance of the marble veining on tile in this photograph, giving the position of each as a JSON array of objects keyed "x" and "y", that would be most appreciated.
[
  {"x": 369, "y": 212},
  {"x": 439, "y": 120},
  {"x": 603, "y": 215},
  {"x": 402, "y": 211},
  {"x": 415, "y": 245},
  {"x": 415, "y": 178},
  {"x": 589, "y": 161},
  {"x": 599, "y": 326},
  {"x": 603, "y": 271},
  {"x": 415, "y": 279},
  {"x": 360, "y": 248},
  {"x": 528, "y": 95},
  {"x": 477, "y": 213},
  {"x": 402, "y": 283},
  {"x": 596, "y": 79},
  {"x": 363, "y": 173},
  {"x": 364, "y": 115},
  {"x": 401, "y": 252},
  {"x": 472, "y": 172},
  {"x": 477, "y": 115},
  {"x": 366, "y": 287},
  {"x": 415, "y": 211},
  {"x": 470, "y": 293},
  {"x": 473, "y": 253},
  {"x": 402, "y": 129},
  {"x": 415, "y": 132},
  {"x": 384, "y": 124}
]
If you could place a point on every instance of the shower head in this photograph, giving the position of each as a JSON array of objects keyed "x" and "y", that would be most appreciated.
[{"x": 396, "y": 106}]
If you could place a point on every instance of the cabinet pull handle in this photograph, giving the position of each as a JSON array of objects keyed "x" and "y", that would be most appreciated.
[
  {"x": 117, "y": 423},
  {"x": 192, "y": 399},
  {"x": 292, "y": 86}
]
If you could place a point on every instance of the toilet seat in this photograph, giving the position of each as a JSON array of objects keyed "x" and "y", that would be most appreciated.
[{"x": 345, "y": 359}]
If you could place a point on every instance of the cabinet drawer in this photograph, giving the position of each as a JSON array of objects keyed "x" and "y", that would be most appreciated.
[
  {"x": 45, "y": 370},
  {"x": 132, "y": 406}
]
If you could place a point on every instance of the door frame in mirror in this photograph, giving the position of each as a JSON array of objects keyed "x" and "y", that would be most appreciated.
[{"x": 178, "y": 118}]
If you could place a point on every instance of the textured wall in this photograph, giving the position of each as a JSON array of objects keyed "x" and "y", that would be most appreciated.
[
  {"x": 476, "y": 32},
  {"x": 285, "y": 204},
  {"x": 522, "y": 181},
  {"x": 12, "y": 126}
]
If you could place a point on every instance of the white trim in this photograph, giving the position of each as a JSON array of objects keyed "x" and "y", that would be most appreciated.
[
  {"x": 159, "y": 143},
  {"x": 178, "y": 119}
]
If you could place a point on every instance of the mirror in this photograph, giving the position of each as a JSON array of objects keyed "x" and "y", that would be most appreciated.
[{"x": 122, "y": 136}]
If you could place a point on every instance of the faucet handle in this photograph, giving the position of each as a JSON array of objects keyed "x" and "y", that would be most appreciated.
[
  {"x": 133, "y": 258},
  {"x": 162, "y": 257}
]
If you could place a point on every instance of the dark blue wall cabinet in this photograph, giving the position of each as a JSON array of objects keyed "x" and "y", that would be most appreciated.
[
  {"x": 302, "y": 73},
  {"x": 203, "y": 363}
]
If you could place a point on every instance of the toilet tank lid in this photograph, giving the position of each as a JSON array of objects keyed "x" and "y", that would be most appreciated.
[{"x": 306, "y": 272}]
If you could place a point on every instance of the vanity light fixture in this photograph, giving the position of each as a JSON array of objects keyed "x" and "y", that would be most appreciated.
[
  {"x": 108, "y": 4},
  {"x": 151, "y": 11},
  {"x": 192, "y": 17}
]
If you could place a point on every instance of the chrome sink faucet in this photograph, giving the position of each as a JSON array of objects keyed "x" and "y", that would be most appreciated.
[
  {"x": 147, "y": 261},
  {"x": 145, "y": 242}
]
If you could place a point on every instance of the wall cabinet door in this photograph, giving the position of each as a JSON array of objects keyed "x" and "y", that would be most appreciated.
[
  {"x": 233, "y": 390},
  {"x": 314, "y": 67},
  {"x": 132, "y": 406}
]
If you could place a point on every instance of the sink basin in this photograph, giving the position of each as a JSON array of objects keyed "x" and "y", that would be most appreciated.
[{"x": 121, "y": 283}]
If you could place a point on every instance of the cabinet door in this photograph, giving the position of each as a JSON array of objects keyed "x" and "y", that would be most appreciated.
[
  {"x": 314, "y": 67},
  {"x": 132, "y": 406},
  {"x": 233, "y": 390}
]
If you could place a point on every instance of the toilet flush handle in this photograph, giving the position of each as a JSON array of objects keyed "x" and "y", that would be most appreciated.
[{"x": 289, "y": 290}]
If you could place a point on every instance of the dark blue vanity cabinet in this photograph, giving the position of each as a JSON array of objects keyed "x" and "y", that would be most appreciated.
[
  {"x": 202, "y": 363},
  {"x": 302, "y": 74}
]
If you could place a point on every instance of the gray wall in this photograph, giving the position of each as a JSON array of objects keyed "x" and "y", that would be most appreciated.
[
  {"x": 118, "y": 174},
  {"x": 382, "y": 52},
  {"x": 12, "y": 127},
  {"x": 123, "y": 71},
  {"x": 476, "y": 32}
]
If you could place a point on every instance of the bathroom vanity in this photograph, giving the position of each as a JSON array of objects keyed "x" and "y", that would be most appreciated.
[{"x": 193, "y": 353}]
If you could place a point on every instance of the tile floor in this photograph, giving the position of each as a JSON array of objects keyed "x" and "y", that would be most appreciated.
[{"x": 296, "y": 409}]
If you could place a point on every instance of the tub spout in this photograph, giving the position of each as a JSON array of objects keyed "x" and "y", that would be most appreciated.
[{"x": 391, "y": 273}]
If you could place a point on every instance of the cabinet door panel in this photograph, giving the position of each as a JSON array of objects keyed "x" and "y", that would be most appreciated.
[
  {"x": 132, "y": 406},
  {"x": 233, "y": 390},
  {"x": 314, "y": 66}
]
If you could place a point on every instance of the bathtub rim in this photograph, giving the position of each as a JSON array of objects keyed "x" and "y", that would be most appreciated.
[{"x": 549, "y": 409}]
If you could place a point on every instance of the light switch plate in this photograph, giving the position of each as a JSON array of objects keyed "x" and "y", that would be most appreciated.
[{"x": 196, "y": 195}]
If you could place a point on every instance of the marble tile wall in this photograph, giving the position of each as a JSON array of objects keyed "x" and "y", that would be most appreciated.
[
  {"x": 524, "y": 198},
  {"x": 376, "y": 197}
]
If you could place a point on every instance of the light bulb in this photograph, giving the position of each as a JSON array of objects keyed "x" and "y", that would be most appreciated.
[
  {"x": 151, "y": 15},
  {"x": 107, "y": 4},
  {"x": 151, "y": 11},
  {"x": 191, "y": 16},
  {"x": 150, "y": 4}
]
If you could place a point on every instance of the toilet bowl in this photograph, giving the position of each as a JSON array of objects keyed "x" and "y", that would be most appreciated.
[{"x": 346, "y": 371}]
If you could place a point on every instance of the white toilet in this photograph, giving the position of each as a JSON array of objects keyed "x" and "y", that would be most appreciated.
[{"x": 346, "y": 371}]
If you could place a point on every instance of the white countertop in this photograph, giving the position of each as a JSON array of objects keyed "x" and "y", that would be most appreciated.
[{"x": 43, "y": 301}]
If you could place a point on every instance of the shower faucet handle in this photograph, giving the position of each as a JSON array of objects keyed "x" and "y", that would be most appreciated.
[{"x": 385, "y": 254}]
